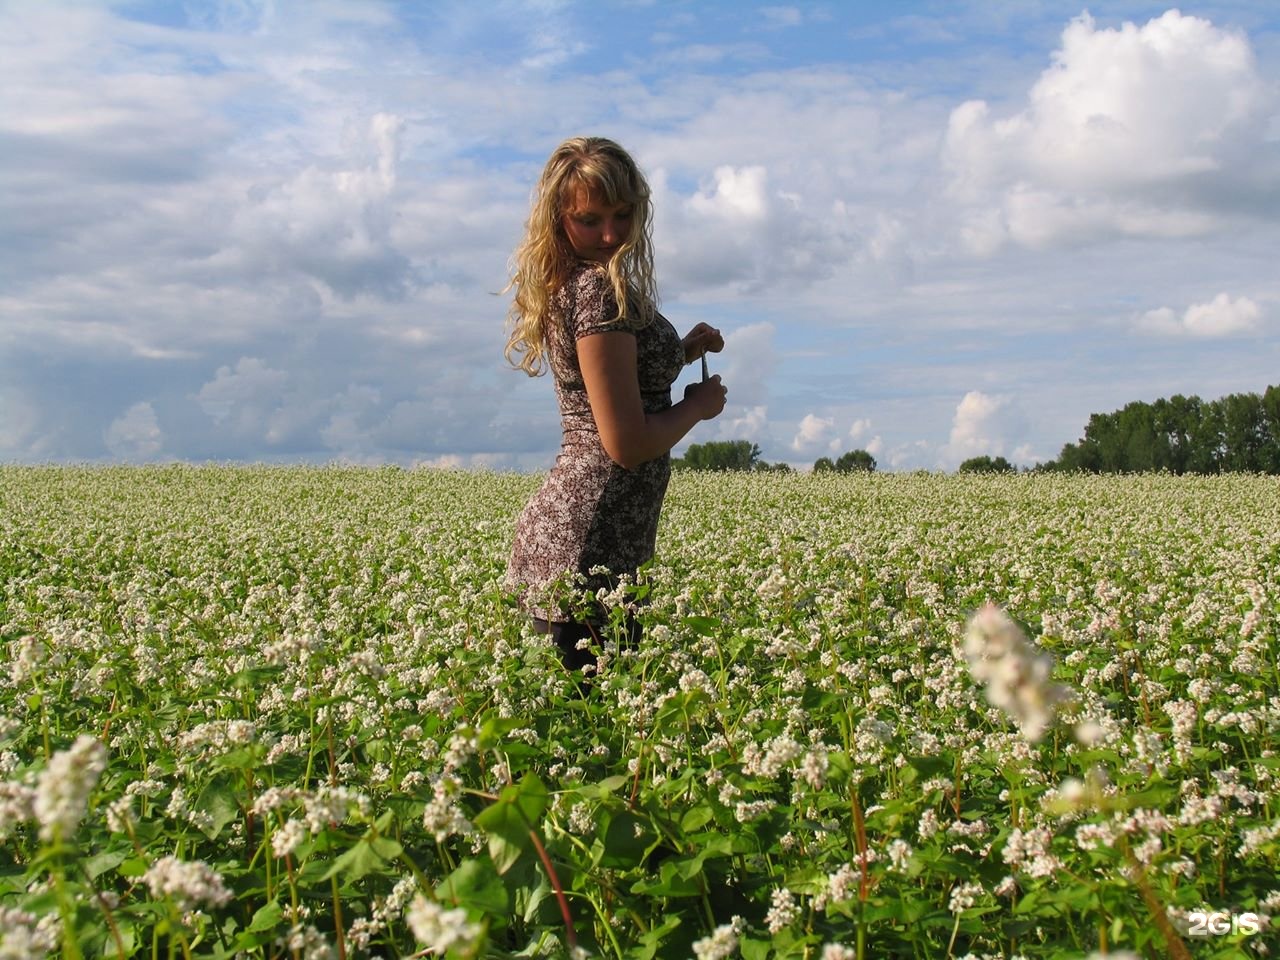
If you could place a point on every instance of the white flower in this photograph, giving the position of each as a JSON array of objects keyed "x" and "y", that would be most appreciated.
[
  {"x": 23, "y": 936},
  {"x": 285, "y": 840},
  {"x": 722, "y": 943},
  {"x": 963, "y": 896},
  {"x": 1014, "y": 671},
  {"x": 63, "y": 788},
  {"x": 189, "y": 884},
  {"x": 784, "y": 910},
  {"x": 438, "y": 929}
]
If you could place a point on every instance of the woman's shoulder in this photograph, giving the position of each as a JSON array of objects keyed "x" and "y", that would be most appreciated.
[{"x": 587, "y": 281}]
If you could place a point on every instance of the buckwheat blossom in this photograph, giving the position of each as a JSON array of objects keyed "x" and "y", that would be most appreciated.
[
  {"x": 188, "y": 884},
  {"x": 1014, "y": 672},
  {"x": 964, "y": 896},
  {"x": 1256, "y": 838},
  {"x": 899, "y": 855},
  {"x": 24, "y": 936},
  {"x": 17, "y": 805},
  {"x": 438, "y": 929},
  {"x": 63, "y": 787},
  {"x": 838, "y": 951},
  {"x": 1028, "y": 852},
  {"x": 442, "y": 816},
  {"x": 287, "y": 838},
  {"x": 783, "y": 910},
  {"x": 722, "y": 943},
  {"x": 308, "y": 943}
]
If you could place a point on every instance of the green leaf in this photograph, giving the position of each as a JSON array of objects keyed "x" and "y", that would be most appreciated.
[
  {"x": 673, "y": 880},
  {"x": 97, "y": 865},
  {"x": 133, "y": 867},
  {"x": 477, "y": 886},
  {"x": 218, "y": 800},
  {"x": 266, "y": 917},
  {"x": 652, "y": 942},
  {"x": 696, "y": 817},
  {"x": 369, "y": 854},
  {"x": 509, "y": 820},
  {"x": 605, "y": 788},
  {"x": 702, "y": 626},
  {"x": 626, "y": 840}
]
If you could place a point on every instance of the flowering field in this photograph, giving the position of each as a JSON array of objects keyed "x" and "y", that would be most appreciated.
[{"x": 291, "y": 713}]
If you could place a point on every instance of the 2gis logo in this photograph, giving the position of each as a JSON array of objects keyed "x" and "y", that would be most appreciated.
[{"x": 1221, "y": 923}]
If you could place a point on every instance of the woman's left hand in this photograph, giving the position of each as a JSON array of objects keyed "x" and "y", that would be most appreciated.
[{"x": 703, "y": 338}]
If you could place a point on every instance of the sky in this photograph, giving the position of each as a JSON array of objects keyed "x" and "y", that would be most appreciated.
[{"x": 280, "y": 230}]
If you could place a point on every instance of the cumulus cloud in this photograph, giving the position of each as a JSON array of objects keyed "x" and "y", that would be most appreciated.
[
  {"x": 1220, "y": 317},
  {"x": 983, "y": 425},
  {"x": 859, "y": 437},
  {"x": 333, "y": 225},
  {"x": 814, "y": 434},
  {"x": 135, "y": 435},
  {"x": 1141, "y": 130},
  {"x": 739, "y": 231},
  {"x": 241, "y": 397},
  {"x": 749, "y": 425},
  {"x": 749, "y": 360}
]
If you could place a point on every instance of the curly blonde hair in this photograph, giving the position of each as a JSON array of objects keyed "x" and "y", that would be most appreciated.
[{"x": 542, "y": 263}]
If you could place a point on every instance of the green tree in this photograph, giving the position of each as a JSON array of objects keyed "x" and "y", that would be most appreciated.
[
  {"x": 855, "y": 461},
  {"x": 1239, "y": 432},
  {"x": 823, "y": 465},
  {"x": 987, "y": 465},
  {"x": 720, "y": 455}
]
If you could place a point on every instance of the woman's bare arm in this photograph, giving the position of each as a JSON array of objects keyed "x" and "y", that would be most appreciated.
[{"x": 629, "y": 435}]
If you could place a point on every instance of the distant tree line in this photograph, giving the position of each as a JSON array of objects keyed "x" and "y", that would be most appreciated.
[
  {"x": 726, "y": 455},
  {"x": 1237, "y": 433},
  {"x": 855, "y": 461}
]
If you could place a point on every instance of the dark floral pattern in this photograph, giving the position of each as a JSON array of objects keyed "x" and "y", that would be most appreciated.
[{"x": 590, "y": 513}]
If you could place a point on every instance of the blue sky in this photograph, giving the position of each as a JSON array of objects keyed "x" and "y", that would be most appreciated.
[{"x": 278, "y": 231}]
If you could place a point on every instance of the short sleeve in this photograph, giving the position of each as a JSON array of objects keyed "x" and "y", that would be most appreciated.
[{"x": 595, "y": 307}]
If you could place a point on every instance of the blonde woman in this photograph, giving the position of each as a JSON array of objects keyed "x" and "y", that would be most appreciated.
[{"x": 585, "y": 306}]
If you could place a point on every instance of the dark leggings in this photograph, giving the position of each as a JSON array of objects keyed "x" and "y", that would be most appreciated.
[{"x": 567, "y": 636}]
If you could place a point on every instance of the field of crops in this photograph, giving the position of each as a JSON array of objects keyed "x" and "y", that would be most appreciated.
[{"x": 286, "y": 712}]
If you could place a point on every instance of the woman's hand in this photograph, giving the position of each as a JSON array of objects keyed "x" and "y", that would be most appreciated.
[
  {"x": 707, "y": 398},
  {"x": 703, "y": 338}
]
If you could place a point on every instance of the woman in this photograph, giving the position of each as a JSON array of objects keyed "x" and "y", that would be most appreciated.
[{"x": 586, "y": 306}]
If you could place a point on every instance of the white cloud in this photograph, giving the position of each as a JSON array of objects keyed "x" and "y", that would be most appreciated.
[
  {"x": 749, "y": 425},
  {"x": 813, "y": 434},
  {"x": 735, "y": 195},
  {"x": 249, "y": 391},
  {"x": 1221, "y": 317},
  {"x": 347, "y": 431},
  {"x": 1141, "y": 130},
  {"x": 749, "y": 361},
  {"x": 983, "y": 425},
  {"x": 135, "y": 435},
  {"x": 332, "y": 224}
]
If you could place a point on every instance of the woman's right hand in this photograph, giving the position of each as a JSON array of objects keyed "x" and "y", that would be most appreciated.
[{"x": 707, "y": 397}]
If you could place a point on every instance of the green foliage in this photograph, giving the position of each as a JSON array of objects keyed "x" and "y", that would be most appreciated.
[
  {"x": 309, "y": 689},
  {"x": 720, "y": 455},
  {"x": 855, "y": 461},
  {"x": 1239, "y": 433},
  {"x": 987, "y": 465}
]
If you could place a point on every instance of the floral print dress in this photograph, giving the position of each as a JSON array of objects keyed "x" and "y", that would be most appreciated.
[{"x": 590, "y": 514}]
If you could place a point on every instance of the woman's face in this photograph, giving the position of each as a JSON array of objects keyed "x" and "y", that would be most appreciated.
[{"x": 596, "y": 229}]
